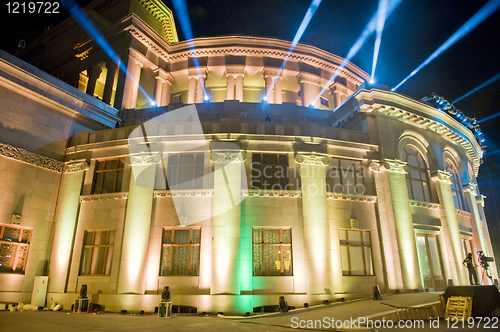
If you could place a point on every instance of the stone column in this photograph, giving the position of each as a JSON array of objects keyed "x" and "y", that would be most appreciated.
[
  {"x": 226, "y": 222},
  {"x": 338, "y": 91},
  {"x": 470, "y": 193},
  {"x": 387, "y": 228},
  {"x": 131, "y": 87},
  {"x": 93, "y": 74},
  {"x": 133, "y": 262},
  {"x": 309, "y": 89},
  {"x": 166, "y": 90},
  {"x": 200, "y": 95},
  {"x": 450, "y": 223},
  {"x": 239, "y": 88},
  {"x": 487, "y": 239},
  {"x": 193, "y": 81},
  {"x": 278, "y": 94},
  {"x": 405, "y": 233},
  {"x": 66, "y": 218},
  {"x": 111, "y": 66},
  {"x": 269, "y": 75},
  {"x": 318, "y": 255},
  {"x": 230, "y": 87}
]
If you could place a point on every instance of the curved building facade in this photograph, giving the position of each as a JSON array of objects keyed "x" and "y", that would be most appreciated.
[{"x": 233, "y": 201}]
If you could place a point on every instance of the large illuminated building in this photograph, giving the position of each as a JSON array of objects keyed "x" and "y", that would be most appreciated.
[{"x": 365, "y": 187}]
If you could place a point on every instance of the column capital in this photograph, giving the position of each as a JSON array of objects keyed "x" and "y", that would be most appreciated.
[
  {"x": 163, "y": 75},
  {"x": 375, "y": 166},
  {"x": 227, "y": 155},
  {"x": 309, "y": 78},
  {"x": 235, "y": 71},
  {"x": 197, "y": 73},
  {"x": 470, "y": 188},
  {"x": 339, "y": 88},
  {"x": 442, "y": 176},
  {"x": 137, "y": 57},
  {"x": 480, "y": 200},
  {"x": 272, "y": 72},
  {"x": 395, "y": 165},
  {"x": 75, "y": 166},
  {"x": 312, "y": 159},
  {"x": 145, "y": 159}
]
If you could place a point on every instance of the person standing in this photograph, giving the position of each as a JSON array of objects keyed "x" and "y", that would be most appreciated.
[{"x": 469, "y": 263}]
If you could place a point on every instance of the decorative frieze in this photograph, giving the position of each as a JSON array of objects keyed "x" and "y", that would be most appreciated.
[
  {"x": 31, "y": 158},
  {"x": 145, "y": 159},
  {"x": 312, "y": 159},
  {"x": 183, "y": 193},
  {"x": 442, "y": 176},
  {"x": 235, "y": 71},
  {"x": 355, "y": 198},
  {"x": 197, "y": 72},
  {"x": 272, "y": 193},
  {"x": 75, "y": 166},
  {"x": 309, "y": 79},
  {"x": 103, "y": 197},
  {"x": 354, "y": 223},
  {"x": 425, "y": 205},
  {"x": 395, "y": 165},
  {"x": 271, "y": 72},
  {"x": 227, "y": 155},
  {"x": 463, "y": 213}
]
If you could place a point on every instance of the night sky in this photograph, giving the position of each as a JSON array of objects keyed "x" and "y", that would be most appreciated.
[{"x": 412, "y": 33}]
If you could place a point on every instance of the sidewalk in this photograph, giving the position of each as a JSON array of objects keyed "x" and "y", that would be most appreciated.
[{"x": 44, "y": 321}]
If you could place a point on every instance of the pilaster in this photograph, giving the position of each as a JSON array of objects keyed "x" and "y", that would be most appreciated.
[
  {"x": 66, "y": 218},
  {"x": 309, "y": 88},
  {"x": 450, "y": 225},
  {"x": 131, "y": 86}
]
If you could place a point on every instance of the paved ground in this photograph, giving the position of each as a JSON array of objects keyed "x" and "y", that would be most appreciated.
[{"x": 318, "y": 318}]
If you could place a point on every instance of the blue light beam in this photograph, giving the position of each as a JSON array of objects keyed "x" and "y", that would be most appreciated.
[
  {"x": 381, "y": 17},
  {"x": 369, "y": 29},
  {"x": 474, "y": 21},
  {"x": 75, "y": 10},
  {"x": 181, "y": 10},
  {"x": 305, "y": 22},
  {"x": 488, "y": 82},
  {"x": 489, "y": 117}
]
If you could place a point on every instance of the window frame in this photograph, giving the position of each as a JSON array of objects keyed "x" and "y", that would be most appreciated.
[
  {"x": 97, "y": 171},
  {"x": 172, "y": 245},
  {"x": 174, "y": 184},
  {"x": 280, "y": 244},
  {"x": 331, "y": 180},
  {"x": 426, "y": 189},
  {"x": 456, "y": 186},
  {"x": 362, "y": 245},
  {"x": 107, "y": 245},
  {"x": 18, "y": 244},
  {"x": 282, "y": 183}
]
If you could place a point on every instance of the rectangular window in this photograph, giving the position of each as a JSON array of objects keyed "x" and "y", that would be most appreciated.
[
  {"x": 14, "y": 246},
  {"x": 180, "y": 253},
  {"x": 272, "y": 252},
  {"x": 185, "y": 171},
  {"x": 355, "y": 252},
  {"x": 97, "y": 253},
  {"x": 269, "y": 171},
  {"x": 345, "y": 176},
  {"x": 324, "y": 101},
  {"x": 108, "y": 176}
]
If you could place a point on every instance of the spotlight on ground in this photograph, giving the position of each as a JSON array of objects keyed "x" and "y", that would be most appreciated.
[
  {"x": 474, "y": 21},
  {"x": 206, "y": 98},
  {"x": 152, "y": 103}
]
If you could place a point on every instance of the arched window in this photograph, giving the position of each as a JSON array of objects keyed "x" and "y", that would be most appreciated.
[
  {"x": 417, "y": 178},
  {"x": 456, "y": 187}
]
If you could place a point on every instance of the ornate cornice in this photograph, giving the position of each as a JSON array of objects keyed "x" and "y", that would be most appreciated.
[
  {"x": 470, "y": 188},
  {"x": 309, "y": 78},
  {"x": 31, "y": 158},
  {"x": 103, "y": 197},
  {"x": 228, "y": 155},
  {"x": 272, "y": 193},
  {"x": 312, "y": 159},
  {"x": 425, "y": 205},
  {"x": 355, "y": 198},
  {"x": 395, "y": 166},
  {"x": 164, "y": 15},
  {"x": 442, "y": 176},
  {"x": 183, "y": 193},
  {"x": 75, "y": 166},
  {"x": 145, "y": 159}
]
